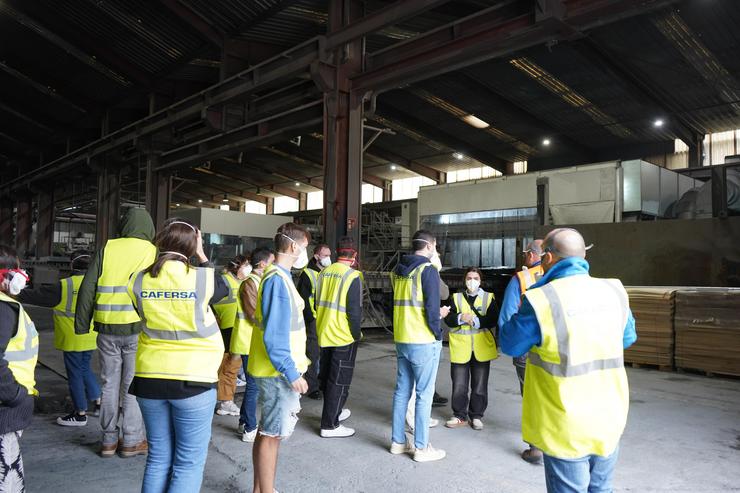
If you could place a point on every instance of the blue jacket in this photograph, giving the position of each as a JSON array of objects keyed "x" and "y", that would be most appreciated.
[
  {"x": 429, "y": 289},
  {"x": 522, "y": 331},
  {"x": 512, "y": 300},
  {"x": 276, "y": 315}
]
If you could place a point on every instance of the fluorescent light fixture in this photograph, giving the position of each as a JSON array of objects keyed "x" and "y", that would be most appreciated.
[
  {"x": 546, "y": 142},
  {"x": 476, "y": 122},
  {"x": 458, "y": 155},
  {"x": 658, "y": 123},
  {"x": 393, "y": 167}
]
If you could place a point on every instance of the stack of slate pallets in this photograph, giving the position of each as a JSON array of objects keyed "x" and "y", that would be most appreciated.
[
  {"x": 653, "y": 308},
  {"x": 707, "y": 324}
]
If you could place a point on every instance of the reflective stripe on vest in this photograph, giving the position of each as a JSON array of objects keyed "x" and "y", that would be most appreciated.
[
  {"x": 65, "y": 338},
  {"x": 259, "y": 362},
  {"x": 241, "y": 337},
  {"x": 464, "y": 340},
  {"x": 23, "y": 348},
  {"x": 313, "y": 278},
  {"x": 576, "y": 395},
  {"x": 226, "y": 308},
  {"x": 332, "y": 325},
  {"x": 180, "y": 339},
  {"x": 409, "y": 316},
  {"x": 122, "y": 257}
]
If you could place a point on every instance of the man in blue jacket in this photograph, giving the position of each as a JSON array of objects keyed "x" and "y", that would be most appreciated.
[{"x": 576, "y": 395}]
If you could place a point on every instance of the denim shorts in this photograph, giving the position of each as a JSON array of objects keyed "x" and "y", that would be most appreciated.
[{"x": 279, "y": 405}]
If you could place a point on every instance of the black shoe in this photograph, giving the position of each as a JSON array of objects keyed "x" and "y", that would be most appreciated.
[
  {"x": 72, "y": 419},
  {"x": 438, "y": 400},
  {"x": 315, "y": 395}
]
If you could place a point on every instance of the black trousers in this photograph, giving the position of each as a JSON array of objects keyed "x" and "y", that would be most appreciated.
[
  {"x": 335, "y": 377},
  {"x": 470, "y": 388},
  {"x": 312, "y": 353},
  {"x": 520, "y": 363}
]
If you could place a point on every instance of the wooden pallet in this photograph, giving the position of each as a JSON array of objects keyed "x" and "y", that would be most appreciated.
[
  {"x": 647, "y": 366},
  {"x": 705, "y": 373}
]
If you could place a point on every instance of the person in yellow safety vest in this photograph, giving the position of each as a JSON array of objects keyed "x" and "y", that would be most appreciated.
[
  {"x": 418, "y": 337},
  {"x": 307, "y": 288},
  {"x": 472, "y": 319},
  {"x": 241, "y": 339},
  {"x": 177, "y": 360},
  {"x": 235, "y": 273},
  {"x": 19, "y": 347},
  {"x": 575, "y": 328},
  {"x": 339, "y": 328},
  {"x": 102, "y": 299},
  {"x": 277, "y": 354},
  {"x": 78, "y": 349},
  {"x": 521, "y": 281}
]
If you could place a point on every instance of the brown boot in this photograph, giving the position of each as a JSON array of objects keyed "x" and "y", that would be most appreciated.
[
  {"x": 533, "y": 455},
  {"x": 140, "y": 448},
  {"x": 108, "y": 451}
]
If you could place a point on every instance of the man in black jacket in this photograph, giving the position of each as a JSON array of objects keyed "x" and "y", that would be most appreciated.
[{"x": 307, "y": 289}]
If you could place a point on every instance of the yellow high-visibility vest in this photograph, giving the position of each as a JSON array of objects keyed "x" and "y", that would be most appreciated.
[
  {"x": 332, "y": 324},
  {"x": 466, "y": 340},
  {"x": 409, "y": 317},
  {"x": 576, "y": 395},
  {"x": 227, "y": 307},
  {"x": 241, "y": 337},
  {"x": 180, "y": 339},
  {"x": 259, "y": 362},
  {"x": 23, "y": 348},
  {"x": 313, "y": 277},
  {"x": 529, "y": 276},
  {"x": 65, "y": 338},
  {"x": 121, "y": 258}
]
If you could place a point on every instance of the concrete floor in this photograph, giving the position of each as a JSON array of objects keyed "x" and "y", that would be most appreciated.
[{"x": 683, "y": 435}]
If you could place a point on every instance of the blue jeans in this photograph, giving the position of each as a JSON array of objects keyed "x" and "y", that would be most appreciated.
[
  {"x": 178, "y": 431},
  {"x": 592, "y": 474},
  {"x": 417, "y": 365},
  {"x": 248, "y": 411},
  {"x": 279, "y": 406},
  {"x": 83, "y": 384}
]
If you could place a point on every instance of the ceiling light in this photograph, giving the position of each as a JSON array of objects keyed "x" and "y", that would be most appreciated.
[
  {"x": 658, "y": 123},
  {"x": 474, "y": 121},
  {"x": 200, "y": 201},
  {"x": 458, "y": 155},
  {"x": 298, "y": 184},
  {"x": 177, "y": 205},
  {"x": 546, "y": 142},
  {"x": 393, "y": 167}
]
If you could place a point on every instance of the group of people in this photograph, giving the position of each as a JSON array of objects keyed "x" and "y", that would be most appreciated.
[{"x": 172, "y": 335}]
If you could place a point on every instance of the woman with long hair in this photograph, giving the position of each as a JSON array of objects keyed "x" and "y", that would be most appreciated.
[
  {"x": 19, "y": 348},
  {"x": 177, "y": 360}
]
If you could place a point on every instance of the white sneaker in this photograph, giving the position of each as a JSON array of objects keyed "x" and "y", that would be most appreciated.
[
  {"x": 240, "y": 382},
  {"x": 433, "y": 423},
  {"x": 249, "y": 436},
  {"x": 402, "y": 448},
  {"x": 344, "y": 415},
  {"x": 429, "y": 454},
  {"x": 455, "y": 422},
  {"x": 227, "y": 408},
  {"x": 340, "y": 431},
  {"x": 477, "y": 424}
]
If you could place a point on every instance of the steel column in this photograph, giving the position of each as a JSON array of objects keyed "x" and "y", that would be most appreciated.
[
  {"x": 6, "y": 221},
  {"x": 158, "y": 191},
  {"x": 45, "y": 223},
  {"x": 343, "y": 133},
  {"x": 696, "y": 151},
  {"x": 719, "y": 191},
  {"x": 23, "y": 224},
  {"x": 108, "y": 204}
]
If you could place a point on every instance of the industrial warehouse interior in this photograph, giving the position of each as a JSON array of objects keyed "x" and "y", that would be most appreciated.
[{"x": 226, "y": 227}]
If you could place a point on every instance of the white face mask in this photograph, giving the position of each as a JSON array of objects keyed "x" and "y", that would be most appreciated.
[
  {"x": 17, "y": 283},
  {"x": 472, "y": 285},
  {"x": 325, "y": 262},
  {"x": 301, "y": 259},
  {"x": 244, "y": 271}
]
